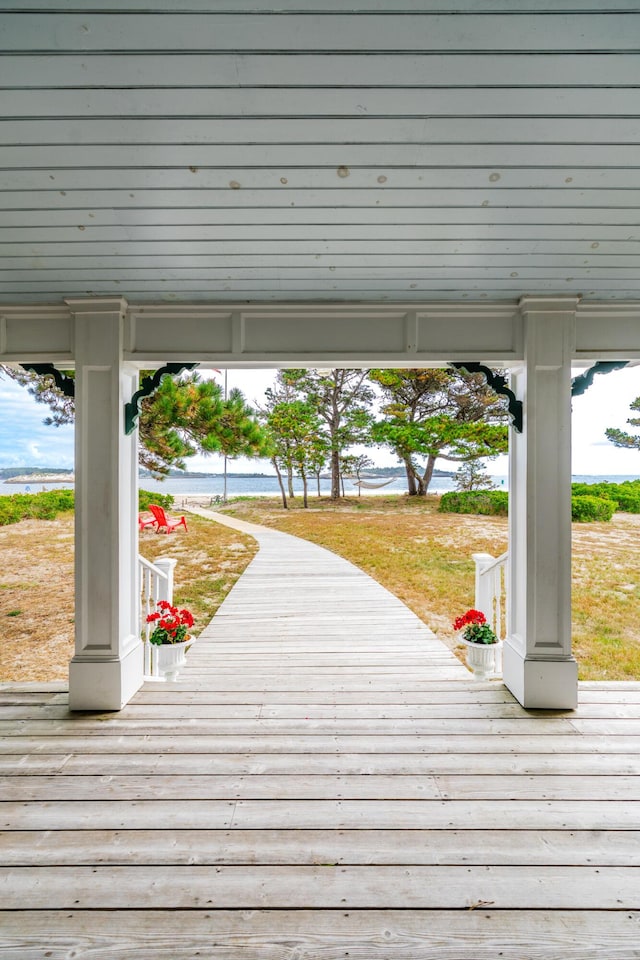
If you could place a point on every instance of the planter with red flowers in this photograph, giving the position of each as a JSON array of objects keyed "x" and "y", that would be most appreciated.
[
  {"x": 480, "y": 641},
  {"x": 169, "y": 641}
]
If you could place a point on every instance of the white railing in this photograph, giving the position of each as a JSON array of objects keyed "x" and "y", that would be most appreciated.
[
  {"x": 156, "y": 583},
  {"x": 491, "y": 595}
]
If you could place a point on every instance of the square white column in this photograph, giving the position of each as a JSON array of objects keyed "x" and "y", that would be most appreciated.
[
  {"x": 107, "y": 668},
  {"x": 538, "y": 666}
]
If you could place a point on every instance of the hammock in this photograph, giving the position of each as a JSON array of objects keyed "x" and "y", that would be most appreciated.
[{"x": 373, "y": 483}]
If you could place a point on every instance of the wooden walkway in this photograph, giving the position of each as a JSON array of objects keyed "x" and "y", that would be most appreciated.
[{"x": 324, "y": 781}]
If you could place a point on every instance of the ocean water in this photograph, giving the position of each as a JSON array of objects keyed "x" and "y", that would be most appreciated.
[
  {"x": 268, "y": 486},
  {"x": 240, "y": 486}
]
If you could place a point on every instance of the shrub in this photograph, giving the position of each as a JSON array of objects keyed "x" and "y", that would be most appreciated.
[
  {"x": 35, "y": 506},
  {"x": 584, "y": 508},
  {"x": 494, "y": 503},
  {"x": 145, "y": 497},
  {"x": 47, "y": 505},
  {"x": 589, "y": 509},
  {"x": 626, "y": 495},
  {"x": 9, "y": 511}
]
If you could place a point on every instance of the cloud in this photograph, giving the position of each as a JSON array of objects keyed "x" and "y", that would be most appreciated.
[{"x": 24, "y": 439}]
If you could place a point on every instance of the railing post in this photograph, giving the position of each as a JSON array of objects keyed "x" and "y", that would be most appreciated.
[
  {"x": 156, "y": 581},
  {"x": 484, "y": 589},
  {"x": 165, "y": 584}
]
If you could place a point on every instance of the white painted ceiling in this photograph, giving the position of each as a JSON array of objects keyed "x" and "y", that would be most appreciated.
[{"x": 219, "y": 150}]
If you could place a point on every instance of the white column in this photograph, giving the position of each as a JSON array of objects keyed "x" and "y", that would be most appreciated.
[
  {"x": 107, "y": 668},
  {"x": 538, "y": 666}
]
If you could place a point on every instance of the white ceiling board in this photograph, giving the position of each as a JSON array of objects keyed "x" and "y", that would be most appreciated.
[
  {"x": 325, "y": 69},
  {"x": 343, "y": 156},
  {"x": 200, "y": 224},
  {"x": 311, "y": 272},
  {"x": 61, "y": 182},
  {"x": 397, "y": 131},
  {"x": 248, "y": 150},
  {"x": 368, "y": 235},
  {"x": 319, "y": 248},
  {"x": 432, "y": 32},
  {"x": 54, "y": 207},
  {"x": 335, "y": 6},
  {"x": 211, "y": 102},
  {"x": 25, "y": 268}
]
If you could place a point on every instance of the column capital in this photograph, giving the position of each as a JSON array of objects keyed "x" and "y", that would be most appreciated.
[
  {"x": 97, "y": 305},
  {"x": 535, "y": 304}
]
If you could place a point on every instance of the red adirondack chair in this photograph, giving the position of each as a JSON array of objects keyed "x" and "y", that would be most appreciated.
[
  {"x": 144, "y": 520},
  {"x": 170, "y": 523}
]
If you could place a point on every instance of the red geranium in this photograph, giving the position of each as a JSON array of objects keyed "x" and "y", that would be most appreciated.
[
  {"x": 172, "y": 624},
  {"x": 471, "y": 616},
  {"x": 476, "y": 629}
]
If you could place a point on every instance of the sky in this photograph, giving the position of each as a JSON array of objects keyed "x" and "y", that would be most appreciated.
[{"x": 26, "y": 441}]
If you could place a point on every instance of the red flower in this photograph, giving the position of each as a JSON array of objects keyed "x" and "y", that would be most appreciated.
[
  {"x": 170, "y": 625},
  {"x": 471, "y": 616}
]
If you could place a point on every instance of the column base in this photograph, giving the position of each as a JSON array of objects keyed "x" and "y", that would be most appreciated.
[
  {"x": 105, "y": 684},
  {"x": 540, "y": 684}
]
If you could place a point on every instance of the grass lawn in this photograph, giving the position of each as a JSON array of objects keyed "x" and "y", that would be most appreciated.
[
  {"x": 36, "y": 587},
  {"x": 424, "y": 557}
]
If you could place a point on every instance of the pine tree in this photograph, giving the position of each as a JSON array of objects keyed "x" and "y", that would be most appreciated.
[
  {"x": 621, "y": 438},
  {"x": 435, "y": 413},
  {"x": 342, "y": 399},
  {"x": 186, "y": 415}
]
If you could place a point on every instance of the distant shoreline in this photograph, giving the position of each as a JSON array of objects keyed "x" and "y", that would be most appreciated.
[{"x": 41, "y": 478}]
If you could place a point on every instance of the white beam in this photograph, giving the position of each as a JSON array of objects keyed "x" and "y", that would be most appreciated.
[
  {"x": 394, "y": 334},
  {"x": 607, "y": 331},
  {"x": 316, "y": 333},
  {"x": 39, "y": 333}
]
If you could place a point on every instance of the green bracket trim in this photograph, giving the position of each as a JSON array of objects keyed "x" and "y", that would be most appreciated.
[
  {"x": 66, "y": 385},
  {"x": 582, "y": 383},
  {"x": 148, "y": 387},
  {"x": 498, "y": 383}
]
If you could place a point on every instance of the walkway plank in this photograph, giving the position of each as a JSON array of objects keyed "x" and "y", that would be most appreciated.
[
  {"x": 322, "y": 888},
  {"x": 482, "y": 934},
  {"x": 325, "y": 779},
  {"x": 286, "y": 847}
]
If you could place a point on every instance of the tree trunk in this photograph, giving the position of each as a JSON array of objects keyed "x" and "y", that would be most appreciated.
[
  {"x": 428, "y": 473},
  {"x": 335, "y": 474},
  {"x": 318, "y": 482},
  {"x": 305, "y": 496},
  {"x": 412, "y": 487},
  {"x": 290, "y": 482},
  {"x": 279, "y": 476}
]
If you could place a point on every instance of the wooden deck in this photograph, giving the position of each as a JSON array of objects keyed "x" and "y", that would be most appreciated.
[{"x": 324, "y": 781}]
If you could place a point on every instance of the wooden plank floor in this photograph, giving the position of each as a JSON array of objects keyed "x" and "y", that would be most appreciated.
[{"x": 324, "y": 781}]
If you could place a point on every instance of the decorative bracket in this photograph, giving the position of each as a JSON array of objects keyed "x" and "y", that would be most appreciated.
[
  {"x": 149, "y": 386},
  {"x": 498, "y": 383},
  {"x": 582, "y": 383},
  {"x": 65, "y": 385}
]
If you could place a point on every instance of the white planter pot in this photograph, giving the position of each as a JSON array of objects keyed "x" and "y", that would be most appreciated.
[
  {"x": 481, "y": 658},
  {"x": 167, "y": 659}
]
